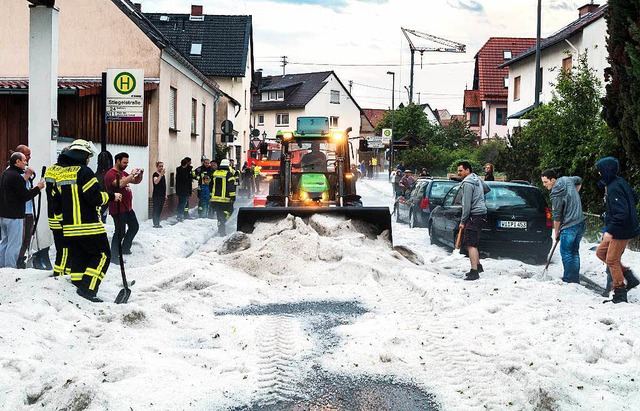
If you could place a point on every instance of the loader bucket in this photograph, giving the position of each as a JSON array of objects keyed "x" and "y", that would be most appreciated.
[{"x": 379, "y": 218}]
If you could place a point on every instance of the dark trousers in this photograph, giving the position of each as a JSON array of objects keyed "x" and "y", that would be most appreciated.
[
  {"x": 128, "y": 228},
  {"x": 182, "y": 210},
  {"x": 26, "y": 234},
  {"x": 62, "y": 265},
  {"x": 91, "y": 258},
  {"x": 158, "y": 204},
  {"x": 223, "y": 212}
]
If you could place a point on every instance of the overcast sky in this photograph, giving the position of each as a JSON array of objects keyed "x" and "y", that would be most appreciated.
[{"x": 362, "y": 39}]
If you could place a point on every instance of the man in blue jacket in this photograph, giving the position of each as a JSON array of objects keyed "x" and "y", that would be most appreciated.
[
  {"x": 620, "y": 225},
  {"x": 568, "y": 220}
]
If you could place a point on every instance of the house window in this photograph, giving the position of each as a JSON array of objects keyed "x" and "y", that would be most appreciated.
[
  {"x": 505, "y": 82},
  {"x": 196, "y": 49},
  {"x": 333, "y": 121},
  {"x": 516, "y": 88},
  {"x": 475, "y": 119},
  {"x": 482, "y": 117},
  {"x": 280, "y": 95},
  {"x": 194, "y": 117},
  {"x": 173, "y": 102},
  {"x": 506, "y": 54},
  {"x": 567, "y": 64},
  {"x": 282, "y": 119},
  {"x": 501, "y": 116},
  {"x": 335, "y": 96},
  {"x": 203, "y": 122},
  {"x": 261, "y": 119},
  {"x": 272, "y": 95}
]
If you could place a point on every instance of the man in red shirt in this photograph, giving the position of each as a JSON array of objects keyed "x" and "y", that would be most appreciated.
[{"x": 127, "y": 217}]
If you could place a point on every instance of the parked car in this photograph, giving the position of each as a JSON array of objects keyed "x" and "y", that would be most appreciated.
[
  {"x": 518, "y": 220},
  {"x": 425, "y": 196}
]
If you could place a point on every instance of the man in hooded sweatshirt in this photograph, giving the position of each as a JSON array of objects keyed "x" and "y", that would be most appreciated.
[
  {"x": 474, "y": 214},
  {"x": 620, "y": 225},
  {"x": 568, "y": 220}
]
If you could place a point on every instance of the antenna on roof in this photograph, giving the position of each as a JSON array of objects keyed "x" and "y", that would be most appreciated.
[{"x": 284, "y": 63}]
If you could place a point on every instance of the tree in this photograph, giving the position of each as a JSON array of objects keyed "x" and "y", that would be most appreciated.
[
  {"x": 410, "y": 121},
  {"x": 567, "y": 134},
  {"x": 622, "y": 100}
]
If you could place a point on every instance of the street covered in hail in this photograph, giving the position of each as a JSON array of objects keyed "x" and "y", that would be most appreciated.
[{"x": 256, "y": 320}]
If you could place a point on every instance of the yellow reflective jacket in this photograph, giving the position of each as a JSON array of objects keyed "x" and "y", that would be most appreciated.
[
  {"x": 223, "y": 186},
  {"x": 81, "y": 198}
]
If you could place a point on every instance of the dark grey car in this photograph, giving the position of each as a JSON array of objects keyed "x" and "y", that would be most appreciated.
[
  {"x": 518, "y": 220},
  {"x": 425, "y": 196}
]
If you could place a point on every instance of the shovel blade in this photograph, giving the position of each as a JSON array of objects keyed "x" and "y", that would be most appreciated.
[{"x": 123, "y": 296}]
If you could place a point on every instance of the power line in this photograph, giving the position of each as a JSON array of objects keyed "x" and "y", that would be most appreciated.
[{"x": 378, "y": 64}]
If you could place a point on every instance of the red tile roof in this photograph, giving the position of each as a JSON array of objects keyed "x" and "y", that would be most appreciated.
[
  {"x": 488, "y": 78},
  {"x": 472, "y": 99},
  {"x": 84, "y": 86},
  {"x": 374, "y": 115}
]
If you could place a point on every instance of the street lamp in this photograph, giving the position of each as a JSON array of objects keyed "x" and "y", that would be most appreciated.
[{"x": 393, "y": 115}]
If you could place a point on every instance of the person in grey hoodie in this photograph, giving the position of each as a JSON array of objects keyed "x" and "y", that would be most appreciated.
[
  {"x": 620, "y": 225},
  {"x": 568, "y": 220},
  {"x": 474, "y": 214}
]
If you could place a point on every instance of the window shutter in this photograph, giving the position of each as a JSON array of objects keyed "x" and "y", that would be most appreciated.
[{"x": 172, "y": 107}]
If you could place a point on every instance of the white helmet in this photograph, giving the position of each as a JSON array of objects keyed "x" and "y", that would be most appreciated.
[
  {"x": 225, "y": 163},
  {"x": 83, "y": 145}
]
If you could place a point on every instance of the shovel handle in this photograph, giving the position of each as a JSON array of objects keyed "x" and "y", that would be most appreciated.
[
  {"x": 553, "y": 249},
  {"x": 459, "y": 238}
]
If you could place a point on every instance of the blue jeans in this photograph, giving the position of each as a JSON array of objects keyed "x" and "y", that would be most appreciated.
[
  {"x": 11, "y": 229},
  {"x": 570, "y": 251}
]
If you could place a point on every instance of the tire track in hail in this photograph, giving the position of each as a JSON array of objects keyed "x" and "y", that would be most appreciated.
[
  {"x": 280, "y": 371},
  {"x": 463, "y": 371}
]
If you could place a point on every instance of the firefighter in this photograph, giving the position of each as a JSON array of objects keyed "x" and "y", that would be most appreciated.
[
  {"x": 80, "y": 199},
  {"x": 62, "y": 264},
  {"x": 223, "y": 195},
  {"x": 206, "y": 169}
]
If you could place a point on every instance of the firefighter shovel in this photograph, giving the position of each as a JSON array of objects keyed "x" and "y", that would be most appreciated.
[{"x": 123, "y": 295}]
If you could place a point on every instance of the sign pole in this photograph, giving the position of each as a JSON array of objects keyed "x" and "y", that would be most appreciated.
[{"x": 103, "y": 111}]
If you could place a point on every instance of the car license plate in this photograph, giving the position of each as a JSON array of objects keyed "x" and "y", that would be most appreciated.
[{"x": 512, "y": 224}]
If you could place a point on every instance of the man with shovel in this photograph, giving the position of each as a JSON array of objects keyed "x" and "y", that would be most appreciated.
[
  {"x": 568, "y": 220},
  {"x": 474, "y": 214}
]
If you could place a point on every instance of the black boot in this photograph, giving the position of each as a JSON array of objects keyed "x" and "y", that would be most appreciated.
[
  {"x": 632, "y": 281},
  {"x": 480, "y": 269},
  {"x": 22, "y": 263},
  {"x": 472, "y": 275},
  {"x": 619, "y": 295},
  {"x": 85, "y": 294}
]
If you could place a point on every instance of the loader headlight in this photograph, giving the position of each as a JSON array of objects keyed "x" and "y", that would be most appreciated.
[
  {"x": 304, "y": 195},
  {"x": 337, "y": 136},
  {"x": 348, "y": 176},
  {"x": 287, "y": 136}
]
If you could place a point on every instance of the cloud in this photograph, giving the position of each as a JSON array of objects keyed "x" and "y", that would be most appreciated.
[
  {"x": 562, "y": 5},
  {"x": 469, "y": 5},
  {"x": 330, "y": 4}
]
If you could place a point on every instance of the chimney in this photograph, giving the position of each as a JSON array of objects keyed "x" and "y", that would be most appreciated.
[
  {"x": 196, "y": 10},
  {"x": 587, "y": 8},
  {"x": 138, "y": 6},
  {"x": 257, "y": 78}
]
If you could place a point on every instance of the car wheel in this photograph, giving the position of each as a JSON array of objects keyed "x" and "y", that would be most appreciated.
[{"x": 432, "y": 239}]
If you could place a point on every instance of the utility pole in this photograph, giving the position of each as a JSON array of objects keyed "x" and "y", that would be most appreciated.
[
  {"x": 393, "y": 115},
  {"x": 538, "y": 79},
  {"x": 284, "y": 64},
  {"x": 450, "y": 47}
]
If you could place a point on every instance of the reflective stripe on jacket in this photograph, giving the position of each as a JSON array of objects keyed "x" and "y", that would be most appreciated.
[{"x": 223, "y": 186}]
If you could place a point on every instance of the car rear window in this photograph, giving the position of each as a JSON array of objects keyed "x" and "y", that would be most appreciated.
[
  {"x": 503, "y": 197},
  {"x": 440, "y": 188}
]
